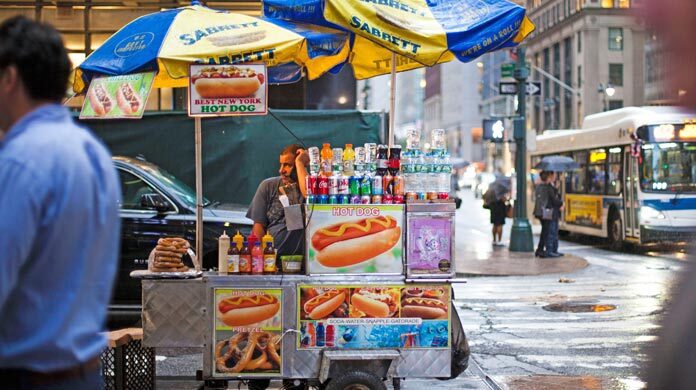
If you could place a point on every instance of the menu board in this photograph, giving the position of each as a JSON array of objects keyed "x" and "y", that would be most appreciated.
[
  {"x": 247, "y": 332},
  {"x": 374, "y": 316},
  {"x": 355, "y": 239}
]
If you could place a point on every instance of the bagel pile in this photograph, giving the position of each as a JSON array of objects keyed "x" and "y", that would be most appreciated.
[{"x": 168, "y": 255}]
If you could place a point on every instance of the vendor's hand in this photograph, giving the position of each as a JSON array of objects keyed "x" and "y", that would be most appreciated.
[{"x": 301, "y": 157}]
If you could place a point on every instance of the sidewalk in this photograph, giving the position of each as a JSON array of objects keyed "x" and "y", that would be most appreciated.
[{"x": 476, "y": 255}]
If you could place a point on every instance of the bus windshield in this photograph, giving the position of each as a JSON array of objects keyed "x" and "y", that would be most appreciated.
[{"x": 669, "y": 167}]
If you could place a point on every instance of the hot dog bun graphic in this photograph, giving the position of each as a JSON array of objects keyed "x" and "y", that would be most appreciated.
[
  {"x": 100, "y": 100},
  {"x": 322, "y": 305},
  {"x": 226, "y": 82},
  {"x": 374, "y": 302},
  {"x": 128, "y": 100},
  {"x": 349, "y": 243},
  {"x": 247, "y": 309},
  {"x": 425, "y": 308}
]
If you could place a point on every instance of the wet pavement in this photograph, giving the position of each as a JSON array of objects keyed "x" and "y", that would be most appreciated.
[{"x": 515, "y": 340}]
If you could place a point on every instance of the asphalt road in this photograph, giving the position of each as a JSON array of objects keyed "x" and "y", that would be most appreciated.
[{"x": 521, "y": 344}]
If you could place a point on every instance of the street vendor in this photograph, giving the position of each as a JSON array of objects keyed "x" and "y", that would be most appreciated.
[{"x": 266, "y": 209}]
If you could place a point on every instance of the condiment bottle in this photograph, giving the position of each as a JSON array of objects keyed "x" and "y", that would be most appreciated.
[
  {"x": 233, "y": 260},
  {"x": 239, "y": 240},
  {"x": 257, "y": 259},
  {"x": 269, "y": 259},
  {"x": 245, "y": 259},
  {"x": 266, "y": 239},
  {"x": 253, "y": 239},
  {"x": 223, "y": 247}
]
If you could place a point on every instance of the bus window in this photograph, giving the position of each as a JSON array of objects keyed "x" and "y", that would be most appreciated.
[
  {"x": 615, "y": 171},
  {"x": 669, "y": 167},
  {"x": 597, "y": 171},
  {"x": 577, "y": 177}
]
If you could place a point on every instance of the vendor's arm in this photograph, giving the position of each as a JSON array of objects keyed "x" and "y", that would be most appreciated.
[
  {"x": 301, "y": 161},
  {"x": 259, "y": 229},
  {"x": 20, "y": 216}
]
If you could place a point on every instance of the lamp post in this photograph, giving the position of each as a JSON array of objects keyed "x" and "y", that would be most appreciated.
[{"x": 607, "y": 92}]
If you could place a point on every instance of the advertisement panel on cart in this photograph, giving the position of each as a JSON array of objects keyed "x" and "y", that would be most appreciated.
[
  {"x": 359, "y": 317},
  {"x": 430, "y": 246},
  {"x": 247, "y": 332},
  {"x": 117, "y": 97},
  {"x": 355, "y": 239}
]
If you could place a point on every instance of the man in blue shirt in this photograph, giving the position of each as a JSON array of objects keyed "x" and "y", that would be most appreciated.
[{"x": 59, "y": 223}]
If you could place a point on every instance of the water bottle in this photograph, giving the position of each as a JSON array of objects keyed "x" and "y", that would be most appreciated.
[
  {"x": 313, "y": 160},
  {"x": 444, "y": 177},
  {"x": 337, "y": 161}
]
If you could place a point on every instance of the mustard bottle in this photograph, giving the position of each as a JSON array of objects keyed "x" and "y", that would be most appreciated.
[
  {"x": 238, "y": 239},
  {"x": 266, "y": 239}
]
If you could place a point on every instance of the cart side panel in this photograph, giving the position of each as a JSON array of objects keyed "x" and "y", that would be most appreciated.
[
  {"x": 174, "y": 313},
  {"x": 424, "y": 363}
]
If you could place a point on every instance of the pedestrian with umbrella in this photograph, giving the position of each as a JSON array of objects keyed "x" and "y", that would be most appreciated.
[
  {"x": 495, "y": 199},
  {"x": 548, "y": 204}
]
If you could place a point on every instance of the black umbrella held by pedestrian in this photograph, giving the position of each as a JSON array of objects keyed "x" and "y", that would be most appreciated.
[
  {"x": 557, "y": 164},
  {"x": 497, "y": 190}
]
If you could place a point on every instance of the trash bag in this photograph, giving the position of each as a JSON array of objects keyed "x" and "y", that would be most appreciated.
[{"x": 460, "y": 346}]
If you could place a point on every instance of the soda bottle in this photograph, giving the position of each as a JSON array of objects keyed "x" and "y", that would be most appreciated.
[
  {"x": 343, "y": 182},
  {"x": 337, "y": 161},
  {"x": 326, "y": 158},
  {"x": 382, "y": 159},
  {"x": 312, "y": 183},
  {"x": 394, "y": 163},
  {"x": 377, "y": 188},
  {"x": 348, "y": 160},
  {"x": 333, "y": 183},
  {"x": 233, "y": 260},
  {"x": 269, "y": 259},
  {"x": 330, "y": 335},
  {"x": 312, "y": 334},
  {"x": 314, "y": 160},
  {"x": 320, "y": 334},
  {"x": 245, "y": 259},
  {"x": 257, "y": 259}
]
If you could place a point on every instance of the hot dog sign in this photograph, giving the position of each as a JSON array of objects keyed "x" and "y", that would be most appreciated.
[
  {"x": 355, "y": 239},
  {"x": 117, "y": 97},
  {"x": 221, "y": 90}
]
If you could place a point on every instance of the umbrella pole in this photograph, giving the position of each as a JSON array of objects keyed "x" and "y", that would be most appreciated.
[
  {"x": 199, "y": 194},
  {"x": 392, "y": 99}
]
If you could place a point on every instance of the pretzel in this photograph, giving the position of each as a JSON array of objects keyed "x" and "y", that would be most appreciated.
[
  {"x": 170, "y": 248},
  {"x": 168, "y": 254},
  {"x": 173, "y": 241},
  {"x": 169, "y": 269},
  {"x": 261, "y": 342}
]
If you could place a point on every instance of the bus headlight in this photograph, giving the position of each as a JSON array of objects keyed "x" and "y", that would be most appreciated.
[{"x": 647, "y": 213}]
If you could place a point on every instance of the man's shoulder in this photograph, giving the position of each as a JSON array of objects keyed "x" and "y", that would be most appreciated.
[{"x": 270, "y": 182}]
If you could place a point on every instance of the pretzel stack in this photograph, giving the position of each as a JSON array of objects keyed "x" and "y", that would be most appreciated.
[{"x": 168, "y": 254}]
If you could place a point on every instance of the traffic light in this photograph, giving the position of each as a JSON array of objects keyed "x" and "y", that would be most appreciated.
[{"x": 494, "y": 130}]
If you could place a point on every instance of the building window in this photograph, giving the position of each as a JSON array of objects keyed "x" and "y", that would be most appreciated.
[
  {"x": 579, "y": 76},
  {"x": 615, "y": 38},
  {"x": 579, "y": 42},
  {"x": 615, "y": 104},
  {"x": 616, "y": 75}
]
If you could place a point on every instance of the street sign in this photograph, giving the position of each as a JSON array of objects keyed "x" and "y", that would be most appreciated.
[
  {"x": 510, "y": 88},
  {"x": 506, "y": 70}
]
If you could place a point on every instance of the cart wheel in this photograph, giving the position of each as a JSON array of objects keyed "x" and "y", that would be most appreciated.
[{"x": 356, "y": 380}]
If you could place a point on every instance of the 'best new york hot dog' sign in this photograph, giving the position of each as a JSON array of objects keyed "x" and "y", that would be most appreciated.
[
  {"x": 221, "y": 90},
  {"x": 117, "y": 97}
]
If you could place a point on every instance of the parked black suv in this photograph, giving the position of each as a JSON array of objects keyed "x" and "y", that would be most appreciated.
[{"x": 156, "y": 204}]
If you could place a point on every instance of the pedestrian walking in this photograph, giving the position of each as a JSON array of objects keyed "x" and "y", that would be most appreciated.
[
  {"x": 547, "y": 201},
  {"x": 498, "y": 206},
  {"x": 59, "y": 222}
]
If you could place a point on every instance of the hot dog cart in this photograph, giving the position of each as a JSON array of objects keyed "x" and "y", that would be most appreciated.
[{"x": 339, "y": 322}]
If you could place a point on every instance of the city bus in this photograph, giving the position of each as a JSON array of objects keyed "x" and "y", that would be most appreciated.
[{"x": 637, "y": 176}]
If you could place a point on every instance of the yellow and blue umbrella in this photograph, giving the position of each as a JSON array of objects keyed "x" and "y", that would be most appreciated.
[
  {"x": 169, "y": 41},
  {"x": 420, "y": 32}
]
